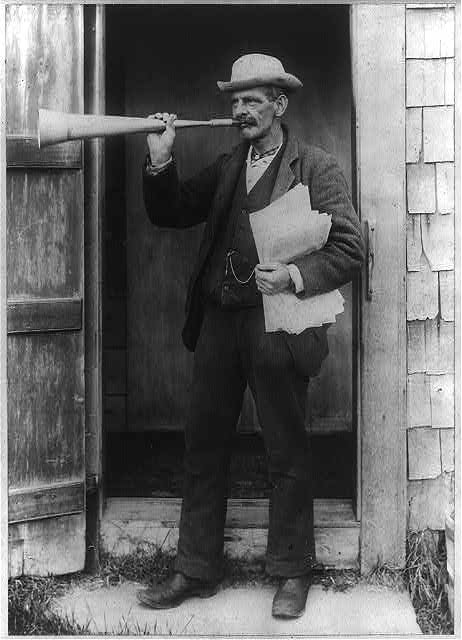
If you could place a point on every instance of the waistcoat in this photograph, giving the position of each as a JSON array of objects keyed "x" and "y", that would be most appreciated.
[{"x": 235, "y": 247}]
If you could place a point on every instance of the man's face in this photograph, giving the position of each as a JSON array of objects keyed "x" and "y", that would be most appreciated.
[{"x": 255, "y": 111}]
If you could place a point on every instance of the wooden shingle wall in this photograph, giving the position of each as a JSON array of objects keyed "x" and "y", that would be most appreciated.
[{"x": 430, "y": 50}]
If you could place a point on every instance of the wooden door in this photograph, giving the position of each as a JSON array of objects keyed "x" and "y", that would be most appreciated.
[
  {"x": 314, "y": 44},
  {"x": 44, "y": 200}
]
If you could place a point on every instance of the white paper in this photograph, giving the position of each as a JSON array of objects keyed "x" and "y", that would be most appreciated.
[
  {"x": 284, "y": 230},
  {"x": 285, "y": 312},
  {"x": 288, "y": 228}
]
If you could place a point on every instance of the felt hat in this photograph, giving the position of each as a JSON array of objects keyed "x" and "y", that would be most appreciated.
[{"x": 256, "y": 69}]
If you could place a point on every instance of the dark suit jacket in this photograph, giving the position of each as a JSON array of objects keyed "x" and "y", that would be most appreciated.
[{"x": 207, "y": 198}]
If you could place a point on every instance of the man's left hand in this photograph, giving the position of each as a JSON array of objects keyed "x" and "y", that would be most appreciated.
[{"x": 272, "y": 277}]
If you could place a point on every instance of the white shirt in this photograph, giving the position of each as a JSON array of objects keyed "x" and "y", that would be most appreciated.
[{"x": 256, "y": 168}]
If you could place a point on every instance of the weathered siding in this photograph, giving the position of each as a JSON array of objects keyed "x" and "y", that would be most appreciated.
[{"x": 430, "y": 52}]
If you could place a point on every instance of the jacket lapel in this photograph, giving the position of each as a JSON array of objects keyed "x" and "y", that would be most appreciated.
[
  {"x": 227, "y": 184},
  {"x": 230, "y": 172},
  {"x": 286, "y": 175}
]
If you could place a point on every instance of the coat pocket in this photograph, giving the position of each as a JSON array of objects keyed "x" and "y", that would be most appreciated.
[{"x": 309, "y": 349}]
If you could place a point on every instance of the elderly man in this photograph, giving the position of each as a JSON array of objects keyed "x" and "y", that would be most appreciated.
[{"x": 225, "y": 327}]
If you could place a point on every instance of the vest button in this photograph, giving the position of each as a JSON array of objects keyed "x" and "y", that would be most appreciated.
[{"x": 244, "y": 211}]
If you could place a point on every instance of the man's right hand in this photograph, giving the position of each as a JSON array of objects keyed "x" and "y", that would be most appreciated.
[{"x": 160, "y": 144}]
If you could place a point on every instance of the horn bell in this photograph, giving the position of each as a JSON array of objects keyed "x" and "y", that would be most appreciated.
[
  {"x": 52, "y": 127},
  {"x": 55, "y": 126}
]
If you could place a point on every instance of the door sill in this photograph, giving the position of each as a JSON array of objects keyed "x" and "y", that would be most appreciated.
[{"x": 130, "y": 523}]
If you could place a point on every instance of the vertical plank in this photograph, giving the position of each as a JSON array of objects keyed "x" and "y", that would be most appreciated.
[
  {"x": 95, "y": 102},
  {"x": 458, "y": 265},
  {"x": 378, "y": 42},
  {"x": 3, "y": 342}
]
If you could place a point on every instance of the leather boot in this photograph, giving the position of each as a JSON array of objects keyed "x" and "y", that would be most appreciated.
[
  {"x": 290, "y": 598},
  {"x": 175, "y": 590}
]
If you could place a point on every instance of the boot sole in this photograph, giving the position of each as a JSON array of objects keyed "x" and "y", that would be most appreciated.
[
  {"x": 198, "y": 593},
  {"x": 287, "y": 616}
]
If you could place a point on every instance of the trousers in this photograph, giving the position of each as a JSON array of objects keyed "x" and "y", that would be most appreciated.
[{"x": 234, "y": 351}]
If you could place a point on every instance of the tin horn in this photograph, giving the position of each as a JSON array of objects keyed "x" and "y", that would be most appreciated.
[{"x": 55, "y": 126}]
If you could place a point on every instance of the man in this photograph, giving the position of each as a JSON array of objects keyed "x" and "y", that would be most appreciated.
[{"x": 225, "y": 327}]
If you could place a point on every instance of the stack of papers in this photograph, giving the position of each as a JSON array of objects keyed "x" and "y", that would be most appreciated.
[{"x": 285, "y": 230}]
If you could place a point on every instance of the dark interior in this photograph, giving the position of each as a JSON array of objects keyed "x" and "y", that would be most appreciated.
[
  {"x": 169, "y": 58},
  {"x": 150, "y": 464}
]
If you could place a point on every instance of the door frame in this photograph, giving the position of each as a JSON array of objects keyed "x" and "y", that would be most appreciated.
[
  {"x": 95, "y": 102},
  {"x": 378, "y": 44},
  {"x": 3, "y": 336}
]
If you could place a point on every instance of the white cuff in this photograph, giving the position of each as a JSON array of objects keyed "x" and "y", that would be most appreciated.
[
  {"x": 153, "y": 170},
  {"x": 296, "y": 278}
]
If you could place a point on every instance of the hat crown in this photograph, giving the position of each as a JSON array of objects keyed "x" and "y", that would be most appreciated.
[
  {"x": 256, "y": 69},
  {"x": 255, "y": 64}
]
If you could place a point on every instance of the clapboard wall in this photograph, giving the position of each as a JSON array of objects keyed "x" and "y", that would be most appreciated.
[{"x": 430, "y": 160}]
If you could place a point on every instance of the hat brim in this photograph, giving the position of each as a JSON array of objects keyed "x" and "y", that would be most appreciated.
[{"x": 285, "y": 81}]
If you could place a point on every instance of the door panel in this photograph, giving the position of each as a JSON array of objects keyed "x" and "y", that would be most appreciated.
[
  {"x": 160, "y": 261},
  {"x": 45, "y": 233},
  {"x": 41, "y": 547},
  {"x": 46, "y": 407}
]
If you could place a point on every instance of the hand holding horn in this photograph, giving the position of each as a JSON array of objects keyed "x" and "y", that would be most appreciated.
[{"x": 160, "y": 143}]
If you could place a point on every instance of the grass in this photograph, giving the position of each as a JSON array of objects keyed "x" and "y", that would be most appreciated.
[
  {"x": 139, "y": 566},
  {"x": 30, "y": 599},
  {"x": 426, "y": 576},
  {"x": 30, "y": 610}
]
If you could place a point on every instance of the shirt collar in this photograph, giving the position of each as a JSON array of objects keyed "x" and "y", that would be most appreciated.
[{"x": 264, "y": 159}]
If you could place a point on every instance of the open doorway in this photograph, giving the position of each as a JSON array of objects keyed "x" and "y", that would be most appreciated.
[{"x": 180, "y": 52}]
